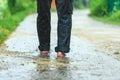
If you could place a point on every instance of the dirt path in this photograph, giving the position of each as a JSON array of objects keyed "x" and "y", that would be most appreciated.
[{"x": 95, "y": 52}]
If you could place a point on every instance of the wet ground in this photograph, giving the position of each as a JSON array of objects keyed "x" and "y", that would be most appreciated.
[{"x": 94, "y": 55}]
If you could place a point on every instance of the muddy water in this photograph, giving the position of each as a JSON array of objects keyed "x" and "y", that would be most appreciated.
[{"x": 19, "y": 55}]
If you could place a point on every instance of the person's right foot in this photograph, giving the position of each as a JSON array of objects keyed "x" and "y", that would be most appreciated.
[
  {"x": 44, "y": 53},
  {"x": 60, "y": 55}
]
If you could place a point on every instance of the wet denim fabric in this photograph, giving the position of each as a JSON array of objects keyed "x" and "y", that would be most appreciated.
[{"x": 64, "y": 11}]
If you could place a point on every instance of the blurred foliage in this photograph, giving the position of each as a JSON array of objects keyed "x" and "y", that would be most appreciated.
[
  {"x": 10, "y": 7},
  {"x": 115, "y": 16},
  {"x": 106, "y": 10},
  {"x": 104, "y": 7},
  {"x": 99, "y": 7},
  {"x": 7, "y": 25},
  {"x": 78, "y": 4},
  {"x": 20, "y": 5},
  {"x": 12, "y": 13},
  {"x": 3, "y": 5},
  {"x": 113, "y": 5},
  {"x": 116, "y": 7}
]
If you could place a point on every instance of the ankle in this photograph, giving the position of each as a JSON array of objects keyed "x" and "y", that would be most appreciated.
[
  {"x": 60, "y": 55},
  {"x": 44, "y": 53}
]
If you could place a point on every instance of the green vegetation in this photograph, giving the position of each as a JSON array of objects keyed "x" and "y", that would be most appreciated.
[
  {"x": 2, "y": 7},
  {"x": 79, "y": 4},
  {"x": 12, "y": 13},
  {"x": 107, "y": 20},
  {"x": 99, "y": 7},
  {"x": 107, "y": 11}
]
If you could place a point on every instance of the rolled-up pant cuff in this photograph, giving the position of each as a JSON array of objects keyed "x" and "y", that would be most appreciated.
[
  {"x": 62, "y": 49},
  {"x": 44, "y": 48}
]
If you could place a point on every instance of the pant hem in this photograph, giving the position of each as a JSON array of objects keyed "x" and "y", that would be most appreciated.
[{"x": 62, "y": 49}]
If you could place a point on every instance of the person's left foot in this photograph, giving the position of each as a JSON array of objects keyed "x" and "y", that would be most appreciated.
[
  {"x": 60, "y": 55},
  {"x": 44, "y": 53}
]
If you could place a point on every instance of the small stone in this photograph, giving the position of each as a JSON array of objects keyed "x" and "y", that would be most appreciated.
[
  {"x": 34, "y": 62},
  {"x": 3, "y": 61},
  {"x": 116, "y": 52},
  {"x": 22, "y": 64}
]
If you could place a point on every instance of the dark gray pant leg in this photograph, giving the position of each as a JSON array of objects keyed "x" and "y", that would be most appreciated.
[
  {"x": 43, "y": 24},
  {"x": 64, "y": 10}
]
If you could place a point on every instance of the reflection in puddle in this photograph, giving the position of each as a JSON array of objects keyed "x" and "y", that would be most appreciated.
[
  {"x": 36, "y": 68},
  {"x": 52, "y": 69}
]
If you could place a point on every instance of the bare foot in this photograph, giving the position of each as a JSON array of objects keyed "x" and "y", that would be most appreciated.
[
  {"x": 44, "y": 53},
  {"x": 60, "y": 55}
]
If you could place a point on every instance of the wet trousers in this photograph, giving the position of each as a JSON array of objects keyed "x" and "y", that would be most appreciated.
[{"x": 64, "y": 12}]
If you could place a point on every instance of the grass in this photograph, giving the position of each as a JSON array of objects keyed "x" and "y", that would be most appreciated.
[
  {"x": 108, "y": 20},
  {"x": 9, "y": 24}
]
